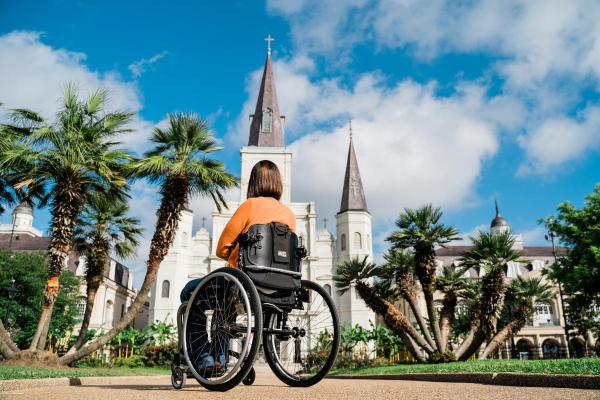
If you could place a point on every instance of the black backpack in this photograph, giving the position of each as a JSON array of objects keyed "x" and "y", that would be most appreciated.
[{"x": 271, "y": 256}]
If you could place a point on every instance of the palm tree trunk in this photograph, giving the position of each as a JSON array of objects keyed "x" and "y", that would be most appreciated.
[
  {"x": 392, "y": 317},
  {"x": 447, "y": 317},
  {"x": 420, "y": 320},
  {"x": 175, "y": 194},
  {"x": 433, "y": 318},
  {"x": 5, "y": 350},
  {"x": 411, "y": 347},
  {"x": 514, "y": 326},
  {"x": 5, "y": 338},
  {"x": 65, "y": 210},
  {"x": 92, "y": 289}
]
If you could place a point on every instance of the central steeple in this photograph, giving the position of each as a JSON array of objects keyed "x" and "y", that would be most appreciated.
[{"x": 266, "y": 129}]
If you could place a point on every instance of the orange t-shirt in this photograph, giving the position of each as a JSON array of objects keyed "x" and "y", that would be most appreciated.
[{"x": 256, "y": 210}]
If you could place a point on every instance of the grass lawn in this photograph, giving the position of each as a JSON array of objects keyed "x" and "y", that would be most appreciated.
[
  {"x": 581, "y": 366},
  {"x": 14, "y": 372}
]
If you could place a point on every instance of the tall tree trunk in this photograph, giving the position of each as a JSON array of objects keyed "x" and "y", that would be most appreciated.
[
  {"x": 85, "y": 323},
  {"x": 420, "y": 320},
  {"x": 447, "y": 317},
  {"x": 392, "y": 317},
  {"x": 425, "y": 268},
  {"x": 433, "y": 318},
  {"x": 512, "y": 328},
  {"x": 97, "y": 268},
  {"x": 174, "y": 197},
  {"x": 65, "y": 210},
  {"x": 5, "y": 338},
  {"x": 411, "y": 347}
]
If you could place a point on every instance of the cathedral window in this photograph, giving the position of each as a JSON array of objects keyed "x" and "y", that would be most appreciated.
[
  {"x": 166, "y": 288},
  {"x": 267, "y": 120},
  {"x": 81, "y": 307},
  {"x": 543, "y": 313},
  {"x": 357, "y": 240},
  {"x": 327, "y": 288},
  {"x": 343, "y": 241}
]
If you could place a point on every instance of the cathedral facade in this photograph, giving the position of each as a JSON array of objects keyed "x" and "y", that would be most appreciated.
[{"x": 193, "y": 254}]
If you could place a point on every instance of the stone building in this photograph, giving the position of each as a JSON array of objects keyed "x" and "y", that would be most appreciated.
[
  {"x": 193, "y": 254},
  {"x": 114, "y": 295}
]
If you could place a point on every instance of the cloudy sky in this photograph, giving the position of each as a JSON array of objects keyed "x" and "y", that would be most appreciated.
[{"x": 453, "y": 103}]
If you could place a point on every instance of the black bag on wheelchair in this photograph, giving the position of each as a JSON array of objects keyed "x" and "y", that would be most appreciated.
[{"x": 270, "y": 256}]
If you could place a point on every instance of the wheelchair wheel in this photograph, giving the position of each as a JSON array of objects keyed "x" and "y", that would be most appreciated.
[
  {"x": 222, "y": 323},
  {"x": 250, "y": 378},
  {"x": 301, "y": 347},
  {"x": 177, "y": 377}
]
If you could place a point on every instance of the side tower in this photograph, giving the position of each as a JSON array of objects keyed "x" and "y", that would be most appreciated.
[{"x": 353, "y": 226}]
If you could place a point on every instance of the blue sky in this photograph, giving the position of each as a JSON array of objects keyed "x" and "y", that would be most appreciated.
[{"x": 455, "y": 105}]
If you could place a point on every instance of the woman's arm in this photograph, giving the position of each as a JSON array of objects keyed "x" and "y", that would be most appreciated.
[{"x": 234, "y": 227}]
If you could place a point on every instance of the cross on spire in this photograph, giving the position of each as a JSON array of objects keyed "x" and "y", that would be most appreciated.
[
  {"x": 203, "y": 221},
  {"x": 269, "y": 39},
  {"x": 325, "y": 222}
]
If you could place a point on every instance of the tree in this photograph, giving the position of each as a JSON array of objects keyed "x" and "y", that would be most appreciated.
[
  {"x": 578, "y": 271},
  {"x": 421, "y": 231},
  {"x": 452, "y": 283},
  {"x": 522, "y": 293},
  {"x": 357, "y": 273},
  {"x": 180, "y": 165},
  {"x": 103, "y": 227},
  {"x": 491, "y": 252},
  {"x": 66, "y": 160},
  {"x": 29, "y": 269}
]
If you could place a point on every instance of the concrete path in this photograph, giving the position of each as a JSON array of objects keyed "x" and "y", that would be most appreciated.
[{"x": 268, "y": 387}]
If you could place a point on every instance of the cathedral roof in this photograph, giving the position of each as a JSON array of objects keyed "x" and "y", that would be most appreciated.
[
  {"x": 353, "y": 195},
  {"x": 498, "y": 221},
  {"x": 266, "y": 129}
]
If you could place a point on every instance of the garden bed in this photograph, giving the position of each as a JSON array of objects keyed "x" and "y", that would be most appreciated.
[{"x": 20, "y": 372}]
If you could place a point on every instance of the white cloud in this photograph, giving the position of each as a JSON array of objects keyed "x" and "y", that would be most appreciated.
[
  {"x": 139, "y": 67},
  {"x": 545, "y": 52},
  {"x": 557, "y": 141}
]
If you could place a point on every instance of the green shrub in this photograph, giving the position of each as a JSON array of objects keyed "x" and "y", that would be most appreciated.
[
  {"x": 159, "y": 355},
  {"x": 135, "y": 361}
]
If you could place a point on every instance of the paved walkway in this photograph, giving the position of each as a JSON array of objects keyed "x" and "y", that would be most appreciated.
[{"x": 268, "y": 387}]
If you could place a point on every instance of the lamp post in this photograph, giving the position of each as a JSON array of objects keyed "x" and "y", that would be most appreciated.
[
  {"x": 550, "y": 236},
  {"x": 12, "y": 292}
]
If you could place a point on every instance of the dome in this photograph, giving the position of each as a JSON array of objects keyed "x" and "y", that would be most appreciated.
[
  {"x": 23, "y": 208},
  {"x": 498, "y": 222}
]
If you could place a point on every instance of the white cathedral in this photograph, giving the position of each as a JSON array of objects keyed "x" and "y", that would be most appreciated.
[{"x": 193, "y": 255}]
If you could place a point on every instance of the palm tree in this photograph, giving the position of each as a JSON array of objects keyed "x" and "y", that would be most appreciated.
[
  {"x": 522, "y": 293},
  {"x": 103, "y": 227},
  {"x": 422, "y": 231},
  {"x": 180, "y": 166},
  {"x": 68, "y": 159},
  {"x": 400, "y": 268},
  {"x": 452, "y": 283},
  {"x": 492, "y": 252},
  {"x": 357, "y": 273}
]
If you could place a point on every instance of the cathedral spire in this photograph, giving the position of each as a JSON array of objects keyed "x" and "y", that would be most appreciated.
[
  {"x": 266, "y": 128},
  {"x": 353, "y": 195}
]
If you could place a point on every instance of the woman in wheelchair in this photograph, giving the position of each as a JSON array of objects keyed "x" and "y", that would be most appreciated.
[{"x": 226, "y": 314}]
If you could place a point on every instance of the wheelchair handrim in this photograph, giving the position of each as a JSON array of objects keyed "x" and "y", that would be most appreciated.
[{"x": 246, "y": 343}]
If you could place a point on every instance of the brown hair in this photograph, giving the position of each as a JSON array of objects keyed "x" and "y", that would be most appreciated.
[{"x": 265, "y": 180}]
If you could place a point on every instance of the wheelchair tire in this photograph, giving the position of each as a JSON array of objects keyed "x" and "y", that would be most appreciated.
[
  {"x": 324, "y": 329},
  {"x": 224, "y": 293},
  {"x": 250, "y": 378},
  {"x": 177, "y": 377}
]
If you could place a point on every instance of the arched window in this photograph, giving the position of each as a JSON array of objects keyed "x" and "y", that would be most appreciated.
[
  {"x": 267, "y": 120},
  {"x": 543, "y": 313},
  {"x": 357, "y": 240},
  {"x": 166, "y": 288},
  {"x": 343, "y": 241},
  {"x": 327, "y": 288}
]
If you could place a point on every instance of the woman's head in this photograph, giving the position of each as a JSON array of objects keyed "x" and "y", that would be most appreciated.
[{"x": 265, "y": 181}]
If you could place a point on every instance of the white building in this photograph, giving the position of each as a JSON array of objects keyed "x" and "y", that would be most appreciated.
[
  {"x": 115, "y": 294},
  {"x": 193, "y": 254}
]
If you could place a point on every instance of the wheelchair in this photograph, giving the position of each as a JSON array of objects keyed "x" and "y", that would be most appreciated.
[{"x": 232, "y": 312}]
